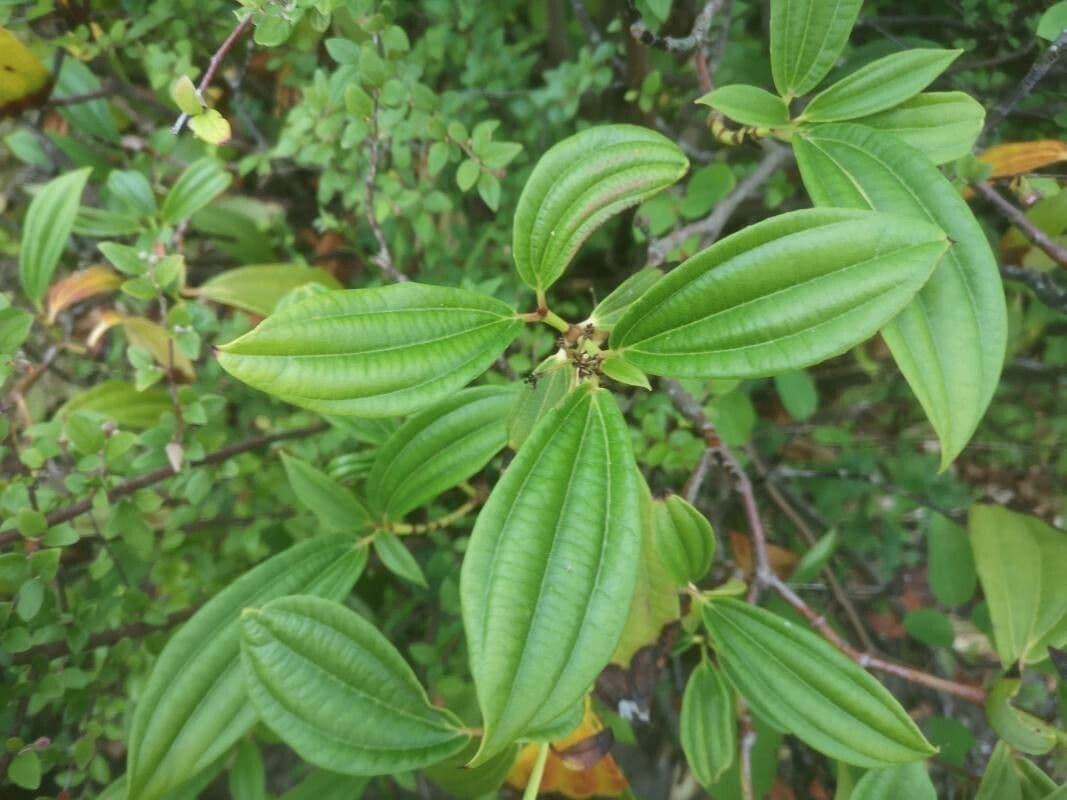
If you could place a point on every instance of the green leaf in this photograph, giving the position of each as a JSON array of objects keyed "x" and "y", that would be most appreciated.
[
  {"x": 949, "y": 562},
  {"x": 334, "y": 505},
  {"x": 618, "y": 369},
  {"x": 1000, "y": 781},
  {"x": 798, "y": 392},
  {"x": 211, "y": 127},
  {"x": 489, "y": 190},
  {"x": 119, "y": 402},
  {"x": 930, "y": 627},
  {"x": 708, "y": 724},
  {"x": 807, "y": 36},
  {"x": 193, "y": 708},
  {"x": 578, "y": 184},
  {"x": 1053, "y": 22},
  {"x": 132, "y": 192},
  {"x": 813, "y": 561},
  {"x": 248, "y": 781},
  {"x": 200, "y": 183},
  {"x": 467, "y": 175},
  {"x": 684, "y": 539},
  {"x": 438, "y": 448},
  {"x": 748, "y": 105},
  {"x": 950, "y": 342},
  {"x": 1021, "y": 730},
  {"x": 301, "y": 655},
  {"x": 882, "y": 84},
  {"x": 398, "y": 559},
  {"x": 536, "y": 398},
  {"x": 608, "y": 310},
  {"x": 15, "y": 326},
  {"x": 377, "y": 352},
  {"x": 183, "y": 93},
  {"x": 259, "y": 287},
  {"x": 781, "y": 294},
  {"x": 551, "y": 567},
  {"x": 325, "y": 785},
  {"x": 943, "y": 125},
  {"x": 909, "y": 781},
  {"x": 471, "y": 783},
  {"x": 46, "y": 228},
  {"x": 1021, "y": 562},
  {"x": 25, "y": 769},
  {"x": 1035, "y": 784},
  {"x": 802, "y": 684}
]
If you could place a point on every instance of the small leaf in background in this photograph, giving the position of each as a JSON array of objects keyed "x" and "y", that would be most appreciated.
[
  {"x": 748, "y": 105},
  {"x": 79, "y": 286},
  {"x": 798, "y": 392},
  {"x": 398, "y": 559},
  {"x": 131, "y": 192},
  {"x": 200, "y": 183},
  {"x": 302, "y": 654},
  {"x": 322, "y": 784},
  {"x": 800, "y": 683},
  {"x": 185, "y": 96},
  {"x": 1000, "y": 780},
  {"x": 807, "y": 36},
  {"x": 211, "y": 127},
  {"x": 119, "y": 402},
  {"x": 15, "y": 326},
  {"x": 684, "y": 540},
  {"x": 578, "y": 184},
  {"x": 469, "y": 783},
  {"x": 154, "y": 338},
  {"x": 909, "y": 781},
  {"x": 334, "y": 505},
  {"x": 930, "y": 627},
  {"x": 1020, "y": 729},
  {"x": 26, "y": 81},
  {"x": 46, "y": 228},
  {"x": 815, "y": 558},
  {"x": 708, "y": 724},
  {"x": 467, "y": 175},
  {"x": 248, "y": 780},
  {"x": 952, "y": 738},
  {"x": 1021, "y": 562},
  {"x": 259, "y": 287},
  {"x": 1053, "y": 22},
  {"x": 25, "y": 769},
  {"x": 949, "y": 562}
]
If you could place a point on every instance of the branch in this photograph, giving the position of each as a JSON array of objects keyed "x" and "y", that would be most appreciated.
[
  {"x": 134, "y": 630},
  {"x": 764, "y": 576},
  {"x": 711, "y": 226},
  {"x": 1043, "y": 284},
  {"x": 672, "y": 44},
  {"x": 213, "y": 67},
  {"x": 130, "y": 486},
  {"x": 1020, "y": 221},
  {"x": 1038, "y": 71}
]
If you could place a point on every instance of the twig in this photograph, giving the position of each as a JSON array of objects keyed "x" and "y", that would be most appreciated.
[
  {"x": 1043, "y": 284},
  {"x": 765, "y": 577},
  {"x": 134, "y": 630},
  {"x": 1038, "y": 71},
  {"x": 681, "y": 44},
  {"x": 213, "y": 67},
  {"x": 1019, "y": 220},
  {"x": 383, "y": 258},
  {"x": 745, "y": 745},
  {"x": 711, "y": 226},
  {"x": 155, "y": 476}
]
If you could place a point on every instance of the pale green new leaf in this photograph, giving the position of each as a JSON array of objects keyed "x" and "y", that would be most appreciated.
[
  {"x": 748, "y": 105},
  {"x": 950, "y": 341},
  {"x": 334, "y": 689},
  {"x": 537, "y": 398},
  {"x": 438, "y": 448},
  {"x": 882, "y": 84},
  {"x": 46, "y": 228},
  {"x": 551, "y": 567},
  {"x": 398, "y": 559},
  {"x": 200, "y": 183},
  {"x": 194, "y": 707},
  {"x": 259, "y": 287},
  {"x": 943, "y": 125},
  {"x": 803, "y": 685},
  {"x": 708, "y": 724},
  {"x": 380, "y": 352},
  {"x": 608, "y": 310},
  {"x": 334, "y": 505},
  {"x": 581, "y": 182},
  {"x": 909, "y": 781},
  {"x": 807, "y": 36},
  {"x": 779, "y": 295},
  {"x": 1021, "y": 562},
  {"x": 684, "y": 540}
]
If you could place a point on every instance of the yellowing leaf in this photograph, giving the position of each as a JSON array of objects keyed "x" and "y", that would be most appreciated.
[
  {"x": 24, "y": 81},
  {"x": 211, "y": 127},
  {"x": 83, "y": 284},
  {"x": 148, "y": 335},
  {"x": 1014, "y": 158}
]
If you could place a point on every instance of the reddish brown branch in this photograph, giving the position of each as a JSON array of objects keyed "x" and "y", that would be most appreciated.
[
  {"x": 1020, "y": 221},
  {"x": 213, "y": 67}
]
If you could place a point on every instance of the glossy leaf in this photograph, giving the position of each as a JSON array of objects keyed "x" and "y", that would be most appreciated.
[
  {"x": 950, "y": 342},
  {"x": 193, "y": 708},
  {"x": 46, "y": 228},
  {"x": 581, "y": 182},
  {"x": 438, "y": 448},
  {"x": 781, "y": 294},
  {"x": 200, "y": 183},
  {"x": 807, "y": 36},
  {"x": 882, "y": 84},
  {"x": 551, "y": 567},
  {"x": 949, "y": 562},
  {"x": 1020, "y": 729},
  {"x": 373, "y": 352},
  {"x": 1021, "y": 562},
  {"x": 259, "y": 287},
  {"x": 301, "y": 655},
  {"x": 943, "y": 125},
  {"x": 398, "y": 559},
  {"x": 909, "y": 781},
  {"x": 539, "y": 396},
  {"x": 334, "y": 505},
  {"x": 748, "y": 105},
  {"x": 608, "y": 310},
  {"x": 795, "y": 679},
  {"x": 684, "y": 540},
  {"x": 708, "y": 724}
]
